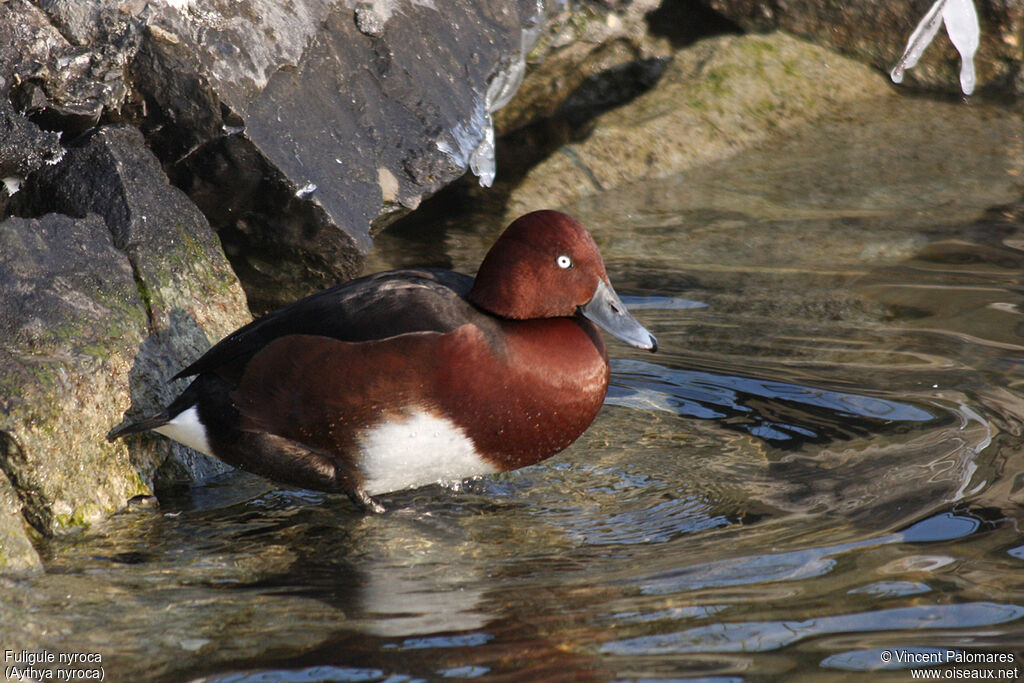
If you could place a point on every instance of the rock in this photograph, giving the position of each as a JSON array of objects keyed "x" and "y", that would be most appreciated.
[
  {"x": 299, "y": 132},
  {"x": 722, "y": 95},
  {"x": 591, "y": 57},
  {"x": 588, "y": 57},
  {"x": 60, "y": 85},
  {"x": 23, "y": 146},
  {"x": 23, "y": 149},
  {"x": 877, "y": 32},
  {"x": 17, "y": 554},
  {"x": 71, "y": 323},
  {"x": 189, "y": 291},
  {"x": 103, "y": 303}
]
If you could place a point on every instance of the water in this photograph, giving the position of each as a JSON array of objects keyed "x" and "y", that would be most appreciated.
[{"x": 820, "y": 468}]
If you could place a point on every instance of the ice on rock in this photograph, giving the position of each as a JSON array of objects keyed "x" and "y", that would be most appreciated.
[
  {"x": 961, "y": 20},
  {"x": 474, "y": 140}
]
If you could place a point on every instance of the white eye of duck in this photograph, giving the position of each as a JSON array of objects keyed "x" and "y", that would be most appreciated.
[{"x": 564, "y": 261}]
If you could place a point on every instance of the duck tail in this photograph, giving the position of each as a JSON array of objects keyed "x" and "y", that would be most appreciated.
[{"x": 142, "y": 425}]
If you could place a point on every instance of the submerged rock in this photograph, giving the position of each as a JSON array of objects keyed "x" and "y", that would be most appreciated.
[{"x": 722, "y": 95}]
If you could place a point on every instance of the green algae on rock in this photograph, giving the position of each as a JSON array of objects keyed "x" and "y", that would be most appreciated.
[
  {"x": 70, "y": 324},
  {"x": 722, "y": 95},
  {"x": 190, "y": 295},
  {"x": 103, "y": 303}
]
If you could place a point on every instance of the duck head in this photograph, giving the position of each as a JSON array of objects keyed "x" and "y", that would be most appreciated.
[{"x": 546, "y": 265}]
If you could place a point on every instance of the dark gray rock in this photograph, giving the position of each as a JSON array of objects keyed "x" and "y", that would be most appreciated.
[
  {"x": 60, "y": 85},
  {"x": 86, "y": 23},
  {"x": 877, "y": 32},
  {"x": 189, "y": 291},
  {"x": 298, "y": 133},
  {"x": 24, "y": 147}
]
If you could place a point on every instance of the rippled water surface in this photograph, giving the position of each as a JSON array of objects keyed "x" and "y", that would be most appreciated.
[{"x": 822, "y": 465}]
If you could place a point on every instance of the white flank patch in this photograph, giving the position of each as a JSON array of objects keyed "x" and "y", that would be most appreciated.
[
  {"x": 186, "y": 429},
  {"x": 415, "y": 451}
]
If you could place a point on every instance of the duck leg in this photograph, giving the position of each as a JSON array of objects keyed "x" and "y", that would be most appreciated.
[
  {"x": 292, "y": 462},
  {"x": 364, "y": 501}
]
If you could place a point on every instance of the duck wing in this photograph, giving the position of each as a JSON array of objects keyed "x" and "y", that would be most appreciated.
[{"x": 367, "y": 308}]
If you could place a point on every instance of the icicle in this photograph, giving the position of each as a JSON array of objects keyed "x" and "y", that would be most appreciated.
[
  {"x": 920, "y": 39},
  {"x": 961, "y": 22},
  {"x": 962, "y": 26}
]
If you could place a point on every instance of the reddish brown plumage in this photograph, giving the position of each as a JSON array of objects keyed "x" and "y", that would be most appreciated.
[
  {"x": 520, "y": 277},
  {"x": 320, "y": 391}
]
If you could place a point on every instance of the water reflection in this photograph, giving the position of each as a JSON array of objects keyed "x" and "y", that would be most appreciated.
[
  {"x": 760, "y": 636},
  {"x": 780, "y": 413},
  {"x": 799, "y": 564},
  {"x": 313, "y": 674},
  {"x": 892, "y": 588}
]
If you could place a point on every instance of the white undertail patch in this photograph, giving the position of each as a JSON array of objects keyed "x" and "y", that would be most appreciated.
[
  {"x": 417, "y": 450},
  {"x": 186, "y": 429}
]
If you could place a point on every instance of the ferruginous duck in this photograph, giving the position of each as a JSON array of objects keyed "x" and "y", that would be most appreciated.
[{"x": 411, "y": 377}]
